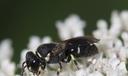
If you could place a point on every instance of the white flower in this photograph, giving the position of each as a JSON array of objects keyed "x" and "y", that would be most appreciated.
[
  {"x": 116, "y": 25},
  {"x": 8, "y": 68},
  {"x": 46, "y": 39},
  {"x": 102, "y": 29},
  {"x": 124, "y": 18},
  {"x": 96, "y": 73},
  {"x": 124, "y": 36},
  {"x": 63, "y": 31},
  {"x": 6, "y": 50},
  {"x": 34, "y": 42},
  {"x": 72, "y": 27},
  {"x": 81, "y": 72}
]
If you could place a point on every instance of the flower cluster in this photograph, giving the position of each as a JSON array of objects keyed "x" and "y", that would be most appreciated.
[
  {"x": 113, "y": 48},
  {"x": 7, "y": 67}
]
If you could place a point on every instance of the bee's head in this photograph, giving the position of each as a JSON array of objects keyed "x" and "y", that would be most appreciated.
[{"x": 33, "y": 63}]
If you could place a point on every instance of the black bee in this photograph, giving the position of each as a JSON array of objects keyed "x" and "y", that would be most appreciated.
[
  {"x": 68, "y": 50},
  {"x": 56, "y": 53}
]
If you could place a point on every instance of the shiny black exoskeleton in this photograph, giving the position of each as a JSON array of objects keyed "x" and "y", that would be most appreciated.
[
  {"x": 45, "y": 49},
  {"x": 64, "y": 51},
  {"x": 79, "y": 46},
  {"x": 38, "y": 60},
  {"x": 33, "y": 63},
  {"x": 74, "y": 48}
]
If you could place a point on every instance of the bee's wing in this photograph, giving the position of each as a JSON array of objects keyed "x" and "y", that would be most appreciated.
[
  {"x": 58, "y": 49},
  {"x": 90, "y": 39},
  {"x": 82, "y": 39}
]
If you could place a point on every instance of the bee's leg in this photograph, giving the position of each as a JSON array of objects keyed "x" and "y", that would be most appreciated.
[
  {"x": 43, "y": 67},
  {"x": 38, "y": 73},
  {"x": 75, "y": 62},
  {"x": 23, "y": 67},
  {"x": 29, "y": 69},
  {"x": 59, "y": 69}
]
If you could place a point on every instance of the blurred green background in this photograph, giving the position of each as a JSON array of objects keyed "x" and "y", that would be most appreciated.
[{"x": 19, "y": 19}]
